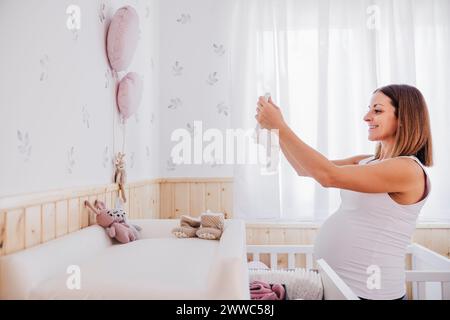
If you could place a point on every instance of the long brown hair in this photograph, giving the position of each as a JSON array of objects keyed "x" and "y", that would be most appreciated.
[{"x": 413, "y": 135}]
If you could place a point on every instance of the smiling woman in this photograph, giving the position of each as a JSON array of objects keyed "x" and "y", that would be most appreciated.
[
  {"x": 407, "y": 113},
  {"x": 381, "y": 200}
]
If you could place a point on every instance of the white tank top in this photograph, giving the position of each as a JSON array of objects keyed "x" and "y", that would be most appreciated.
[{"x": 370, "y": 231}]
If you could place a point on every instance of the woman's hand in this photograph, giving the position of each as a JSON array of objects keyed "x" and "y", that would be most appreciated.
[{"x": 269, "y": 115}]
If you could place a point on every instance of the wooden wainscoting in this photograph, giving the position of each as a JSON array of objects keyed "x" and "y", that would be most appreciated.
[
  {"x": 31, "y": 219},
  {"x": 193, "y": 196}
]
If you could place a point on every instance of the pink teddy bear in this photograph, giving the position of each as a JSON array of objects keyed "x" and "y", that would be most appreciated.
[{"x": 115, "y": 226}]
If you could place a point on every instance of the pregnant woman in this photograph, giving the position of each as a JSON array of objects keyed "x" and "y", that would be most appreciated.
[{"x": 365, "y": 240}]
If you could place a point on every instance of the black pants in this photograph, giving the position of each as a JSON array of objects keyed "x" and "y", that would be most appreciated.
[{"x": 402, "y": 298}]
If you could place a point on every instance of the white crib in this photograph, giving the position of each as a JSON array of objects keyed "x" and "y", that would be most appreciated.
[{"x": 428, "y": 278}]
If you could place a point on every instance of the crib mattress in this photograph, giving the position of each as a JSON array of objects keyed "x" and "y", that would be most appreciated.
[{"x": 166, "y": 268}]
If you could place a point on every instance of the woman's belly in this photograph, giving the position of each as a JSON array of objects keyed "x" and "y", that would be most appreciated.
[
  {"x": 354, "y": 247},
  {"x": 336, "y": 239}
]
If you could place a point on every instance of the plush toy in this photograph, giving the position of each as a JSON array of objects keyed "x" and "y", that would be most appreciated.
[
  {"x": 120, "y": 175},
  {"x": 119, "y": 213},
  {"x": 113, "y": 223}
]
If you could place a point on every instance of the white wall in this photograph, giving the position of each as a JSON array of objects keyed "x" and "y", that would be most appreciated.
[
  {"x": 195, "y": 34},
  {"x": 60, "y": 125},
  {"x": 58, "y": 119}
]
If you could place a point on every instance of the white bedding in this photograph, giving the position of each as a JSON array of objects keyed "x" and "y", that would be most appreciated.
[
  {"x": 159, "y": 266},
  {"x": 146, "y": 269}
]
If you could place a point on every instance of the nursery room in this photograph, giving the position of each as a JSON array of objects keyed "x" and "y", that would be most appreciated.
[{"x": 225, "y": 150}]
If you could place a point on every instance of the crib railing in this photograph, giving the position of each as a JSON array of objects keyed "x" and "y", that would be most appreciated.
[
  {"x": 275, "y": 250},
  {"x": 334, "y": 287},
  {"x": 429, "y": 277},
  {"x": 429, "y": 274}
]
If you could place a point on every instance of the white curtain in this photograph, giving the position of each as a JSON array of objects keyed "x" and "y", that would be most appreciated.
[{"x": 321, "y": 60}]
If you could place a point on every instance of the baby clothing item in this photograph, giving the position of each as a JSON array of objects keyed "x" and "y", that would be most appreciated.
[
  {"x": 257, "y": 265},
  {"x": 300, "y": 283},
  {"x": 212, "y": 225},
  {"x": 188, "y": 227},
  {"x": 260, "y": 290},
  {"x": 209, "y": 226}
]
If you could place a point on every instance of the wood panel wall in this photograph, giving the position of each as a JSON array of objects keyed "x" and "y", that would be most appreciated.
[
  {"x": 26, "y": 221},
  {"x": 194, "y": 196}
]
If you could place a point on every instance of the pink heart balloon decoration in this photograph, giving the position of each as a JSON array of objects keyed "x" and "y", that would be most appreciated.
[{"x": 129, "y": 94}]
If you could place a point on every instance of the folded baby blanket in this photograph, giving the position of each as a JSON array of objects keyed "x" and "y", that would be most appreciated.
[{"x": 260, "y": 290}]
